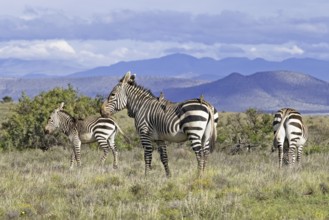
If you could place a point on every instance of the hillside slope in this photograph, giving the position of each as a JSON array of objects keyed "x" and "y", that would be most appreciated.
[{"x": 267, "y": 91}]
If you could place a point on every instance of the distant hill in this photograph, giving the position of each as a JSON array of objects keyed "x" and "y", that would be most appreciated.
[
  {"x": 185, "y": 66},
  {"x": 267, "y": 91}
]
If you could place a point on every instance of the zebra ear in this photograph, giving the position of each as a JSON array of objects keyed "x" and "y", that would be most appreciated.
[
  {"x": 61, "y": 107},
  {"x": 131, "y": 81},
  {"x": 132, "y": 77},
  {"x": 126, "y": 78}
]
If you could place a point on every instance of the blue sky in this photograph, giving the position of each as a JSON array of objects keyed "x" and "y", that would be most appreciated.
[{"x": 103, "y": 32}]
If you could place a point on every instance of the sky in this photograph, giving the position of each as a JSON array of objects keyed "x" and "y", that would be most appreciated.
[{"x": 92, "y": 33}]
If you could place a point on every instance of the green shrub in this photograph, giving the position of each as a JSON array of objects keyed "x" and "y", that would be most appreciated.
[{"x": 251, "y": 128}]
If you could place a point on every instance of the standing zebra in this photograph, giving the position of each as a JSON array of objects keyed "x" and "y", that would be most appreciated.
[
  {"x": 288, "y": 127},
  {"x": 89, "y": 130},
  {"x": 160, "y": 120}
]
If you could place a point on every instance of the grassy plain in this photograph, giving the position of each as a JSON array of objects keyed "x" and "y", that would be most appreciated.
[{"x": 39, "y": 185}]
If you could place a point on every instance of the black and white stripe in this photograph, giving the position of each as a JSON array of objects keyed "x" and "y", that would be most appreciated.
[
  {"x": 91, "y": 129},
  {"x": 289, "y": 129},
  {"x": 159, "y": 120}
]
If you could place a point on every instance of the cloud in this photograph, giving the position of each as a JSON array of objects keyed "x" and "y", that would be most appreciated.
[
  {"x": 294, "y": 50},
  {"x": 50, "y": 49},
  {"x": 226, "y": 27},
  {"x": 123, "y": 35}
]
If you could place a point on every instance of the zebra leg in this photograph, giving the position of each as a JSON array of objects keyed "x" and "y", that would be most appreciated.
[
  {"x": 72, "y": 159},
  {"x": 279, "y": 142},
  {"x": 200, "y": 160},
  {"x": 146, "y": 142},
  {"x": 162, "y": 148},
  {"x": 280, "y": 154},
  {"x": 299, "y": 153},
  {"x": 197, "y": 148},
  {"x": 286, "y": 153},
  {"x": 291, "y": 153},
  {"x": 77, "y": 151},
  {"x": 102, "y": 142},
  {"x": 206, "y": 153},
  {"x": 114, "y": 152},
  {"x": 74, "y": 138}
]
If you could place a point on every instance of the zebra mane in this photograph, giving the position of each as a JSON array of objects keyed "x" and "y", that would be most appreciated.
[
  {"x": 133, "y": 83},
  {"x": 142, "y": 89}
]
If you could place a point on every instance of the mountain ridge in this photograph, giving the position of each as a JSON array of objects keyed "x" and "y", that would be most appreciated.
[
  {"x": 181, "y": 65},
  {"x": 174, "y": 65}
]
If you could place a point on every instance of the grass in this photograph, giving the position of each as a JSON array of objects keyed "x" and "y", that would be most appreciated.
[{"x": 39, "y": 185}]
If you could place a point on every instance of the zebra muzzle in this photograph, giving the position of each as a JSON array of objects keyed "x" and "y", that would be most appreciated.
[{"x": 103, "y": 112}]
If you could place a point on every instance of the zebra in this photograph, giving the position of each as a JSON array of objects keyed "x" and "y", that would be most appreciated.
[
  {"x": 160, "y": 120},
  {"x": 291, "y": 132},
  {"x": 89, "y": 130}
]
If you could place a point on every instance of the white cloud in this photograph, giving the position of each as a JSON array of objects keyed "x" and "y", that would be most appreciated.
[
  {"x": 293, "y": 50},
  {"x": 60, "y": 46},
  {"x": 39, "y": 49},
  {"x": 274, "y": 52}
]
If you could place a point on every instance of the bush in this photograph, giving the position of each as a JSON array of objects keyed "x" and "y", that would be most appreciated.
[
  {"x": 7, "y": 99},
  {"x": 25, "y": 127},
  {"x": 250, "y": 129}
]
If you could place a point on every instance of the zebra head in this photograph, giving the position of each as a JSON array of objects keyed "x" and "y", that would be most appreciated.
[
  {"x": 117, "y": 100},
  {"x": 53, "y": 120}
]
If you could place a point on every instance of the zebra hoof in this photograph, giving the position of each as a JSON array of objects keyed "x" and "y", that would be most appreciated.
[{"x": 115, "y": 167}]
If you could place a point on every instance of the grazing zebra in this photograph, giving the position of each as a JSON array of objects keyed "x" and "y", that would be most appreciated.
[
  {"x": 160, "y": 120},
  {"x": 289, "y": 128},
  {"x": 89, "y": 130}
]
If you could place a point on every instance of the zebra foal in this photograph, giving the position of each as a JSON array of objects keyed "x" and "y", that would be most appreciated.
[
  {"x": 89, "y": 130},
  {"x": 289, "y": 128},
  {"x": 159, "y": 120}
]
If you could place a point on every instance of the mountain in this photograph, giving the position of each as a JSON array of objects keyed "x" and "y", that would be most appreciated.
[
  {"x": 185, "y": 66},
  {"x": 266, "y": 91},
  {"x": 178, "y": 65},
  {"x": 174, "y": 65}
]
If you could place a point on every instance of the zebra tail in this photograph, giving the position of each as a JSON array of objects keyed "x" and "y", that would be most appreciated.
[
  {"x": 280, "y": 127},
  {"x": 213, "y": 138},
  {"x": 127, "y": 139},
  {"x": 212, "y": 141}
]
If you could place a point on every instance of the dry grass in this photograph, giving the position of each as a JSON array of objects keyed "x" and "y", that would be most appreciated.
[{"x": 39, "y": 185}]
